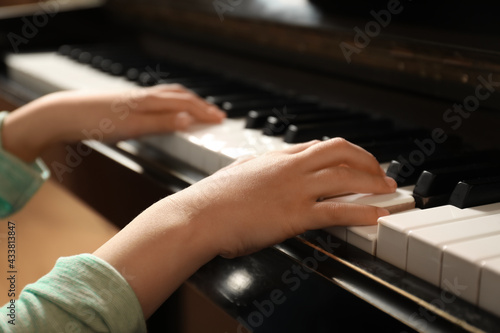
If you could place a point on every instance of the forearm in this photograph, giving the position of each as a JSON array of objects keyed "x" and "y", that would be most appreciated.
[{"x": 158, "y": 251}]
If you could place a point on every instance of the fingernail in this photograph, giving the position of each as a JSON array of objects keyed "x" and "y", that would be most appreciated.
[
  {"x": 382, "y": 212},
  {"x": 391, "y": 182}
]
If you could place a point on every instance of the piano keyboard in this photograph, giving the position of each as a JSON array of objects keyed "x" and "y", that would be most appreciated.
[{"x": 453, "y": 248}]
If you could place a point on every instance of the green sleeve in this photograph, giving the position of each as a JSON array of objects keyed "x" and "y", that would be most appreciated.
[{"x": 81, "y": 294}]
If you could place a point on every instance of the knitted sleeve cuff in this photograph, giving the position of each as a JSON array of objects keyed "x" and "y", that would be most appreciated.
[{"x": 18, "y": 180}]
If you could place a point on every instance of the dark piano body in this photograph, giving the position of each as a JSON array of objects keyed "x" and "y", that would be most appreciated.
[{"x": 410, "y": 61}]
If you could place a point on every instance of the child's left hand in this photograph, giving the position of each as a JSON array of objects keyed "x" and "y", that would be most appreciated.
[{"x": 77, "y": 115}]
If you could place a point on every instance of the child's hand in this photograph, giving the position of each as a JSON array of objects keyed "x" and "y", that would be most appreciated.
[
  {"x": 77, "y": 115},
  {"x": 265, "y": 200},
  {"x": 158, "y": 109}
]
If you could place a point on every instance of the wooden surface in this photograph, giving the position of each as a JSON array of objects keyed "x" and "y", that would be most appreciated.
[{"x": 53, "y": 224}]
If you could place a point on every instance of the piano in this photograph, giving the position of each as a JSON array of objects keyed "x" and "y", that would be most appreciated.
[{"x": 421, "y": 95}]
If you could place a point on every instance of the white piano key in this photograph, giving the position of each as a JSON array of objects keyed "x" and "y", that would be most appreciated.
[
  {"x": 385, "y": 166},
  {"x": 337, "y": 231},
  {"x": 364, "y": 232},
  {"x": 365, "y": 237},
  {"x": 48, "y": 72},
  {"x": 400, "y": 200},
  {"x": 462, "y": 264},
  {"x": 489, "y": 286},
  {"x": 393, "y": 230},
  {"x": 426, "y": 246}
]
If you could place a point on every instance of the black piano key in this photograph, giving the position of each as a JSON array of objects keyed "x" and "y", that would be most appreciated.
[
  {"x": 434, "y": 188},
  {"x": 116, "y": 65},
  {"x": 120, "y": 64},
  {"x": 151, "y": 71},
  {"x": 476, "y": 192},
  {"x": 75, "y": 53},
  {"x": 152, "y": 76},
  {"x": 224, "y": 90},
  {"x": 110, "y": 55},
  {"x": 257, "y": 118},
  {"x": 85, "y": 57},
  {"x": 107, "y": 64},
  {"x": 386, "y": 151},
  {"x": 277, "y": 125},
  {"x": 443, "y": 180},
  {"x": 97, "y": 61},
  {"x": 207, "y": 84},
  {"x": 97, "y": 56},
  {"x": 64, "y": 49},
  {"x": 242, "y": 107},
  {"x": 431, "y": 201},
  {"x": 117, "y": 69},
  {"x": 219, "y": 100},
  {"x": 406, "y": 170},
  {"x": 307, "y": 132},
  {"x": 205, "y": 81}
]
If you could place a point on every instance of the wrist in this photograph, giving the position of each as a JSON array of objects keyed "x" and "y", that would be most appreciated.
[
  {"x": 20, "y": 180},
  {"x": 27, "y": 131}
]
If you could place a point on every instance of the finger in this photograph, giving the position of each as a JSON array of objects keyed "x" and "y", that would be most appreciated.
[
  {"x": 175, "y": 87},
  {"x": 157, "y": 123},
  {"x": 329, "y": 213},
  {"x": 180, "y": 101},
  {"x": 197, "y": 107},
  {"x": 339, "y": 180},
  {"x": 339, "y": 151},
  {"x": 169, "y": 87}
]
